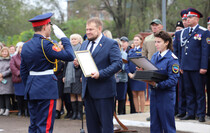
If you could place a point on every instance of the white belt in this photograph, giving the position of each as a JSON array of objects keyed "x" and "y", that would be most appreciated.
[{"x": 46, "y": 72}]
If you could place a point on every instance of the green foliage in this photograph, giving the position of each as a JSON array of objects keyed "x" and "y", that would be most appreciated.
[
  {"x": 26, "y": 35},
  {"x": 22, "y": 37},
  {"x": 74, "y": 26}
]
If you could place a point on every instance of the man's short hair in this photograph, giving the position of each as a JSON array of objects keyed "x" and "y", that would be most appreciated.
[
  {"x": 95, "y": 20},
  {"x": 38, "y": 28}
]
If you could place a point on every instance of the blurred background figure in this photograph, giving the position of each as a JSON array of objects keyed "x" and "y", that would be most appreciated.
[
  {"x": 121, "y": 80},
  {"x": 107, "y": 33},
  {"x": 125, "y": 47},
  {"x": 179, "y": 25},
  {"x": 6, "y": 86},
  {"x": 59, "y": 75},
  {"x": 18, "y": 84},
  {"x": 1, "y": 45},
  {"x": 12, "y": 50},
  {"x": 137, "y": 87},
  {"x": 72, "y": 80}
]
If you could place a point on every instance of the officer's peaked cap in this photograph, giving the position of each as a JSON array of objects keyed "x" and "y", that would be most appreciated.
[{"x": 41, "y": 19}]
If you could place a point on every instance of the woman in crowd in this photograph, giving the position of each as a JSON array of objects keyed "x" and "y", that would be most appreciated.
[
  {"x": 137, "y": 87},
  {"x": 6, "y": 86},
  {"x": 107, "y": 33},
  {"x": 12, "y": 50},
  {"x": 18, "y": 84},
  {"x": 121, "y": 79},
  {"x": 163, "y": 94},
  {"x": 73, "y": 81}
]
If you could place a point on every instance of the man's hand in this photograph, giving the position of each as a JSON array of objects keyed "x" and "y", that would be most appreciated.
[
  {"x": 151, "y": 83},
  {"x": 203, "y": 71},
  {"x": 58, "y": 32},
  {"x": 1, "y": 76},
  {"x": 139, "y": 69},
  {"x": 1, "y": 79},
  {"x": 181, "y": 71},
  {"x": 75, "y": 62},
  {"x": 131, "y": 75},
  {"x": 95, "y": 75}
]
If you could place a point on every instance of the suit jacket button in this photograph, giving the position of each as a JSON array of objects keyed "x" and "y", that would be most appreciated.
[{"x": 185, "y": 53}]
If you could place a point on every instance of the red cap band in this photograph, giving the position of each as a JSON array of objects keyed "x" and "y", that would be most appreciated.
[
  {"x": 193, "y": 13},
  {"x": 184, "y": 16},
  {"x": 40, "y": 23}
]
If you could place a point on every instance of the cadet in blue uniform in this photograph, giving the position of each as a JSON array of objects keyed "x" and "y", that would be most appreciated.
[
  {"x": 137, "y": 87},
  {"x": 194, "y": 64},
  {"x": 177, "y": 51},
  {"x": 38, "y": 58},
  {"x": 207, "y": 38},
  {"x": 162, "y": 99}
]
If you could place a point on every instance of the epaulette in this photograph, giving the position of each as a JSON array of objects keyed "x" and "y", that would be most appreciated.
[
  {"x": 174, "y": 56},
  {"x": 202, "y": 28}
]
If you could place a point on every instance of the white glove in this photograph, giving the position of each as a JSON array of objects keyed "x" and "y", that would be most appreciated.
[{"x": 58, "y": 32}]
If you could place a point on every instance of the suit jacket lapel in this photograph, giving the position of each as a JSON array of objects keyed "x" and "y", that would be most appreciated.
[
  {"x": 85, "y": 45},
  {"x": 99, "y": 46}
]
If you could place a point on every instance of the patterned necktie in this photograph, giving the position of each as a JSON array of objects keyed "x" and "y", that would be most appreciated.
[{"x": 91, "y": 48}]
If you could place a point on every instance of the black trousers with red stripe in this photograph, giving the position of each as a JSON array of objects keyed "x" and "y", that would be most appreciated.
[{"x": 42, "y": 115}]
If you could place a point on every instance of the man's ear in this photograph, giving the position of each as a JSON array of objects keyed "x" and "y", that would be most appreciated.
[
  {"x": 44, "y": 27},
  {"x": 100, "y": 28}
]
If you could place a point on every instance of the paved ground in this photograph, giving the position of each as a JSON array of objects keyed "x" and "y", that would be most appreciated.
[{"x": 15, "y": 124}]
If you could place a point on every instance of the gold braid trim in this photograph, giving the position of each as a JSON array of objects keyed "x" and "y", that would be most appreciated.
[{"x": 56, "y": 60}]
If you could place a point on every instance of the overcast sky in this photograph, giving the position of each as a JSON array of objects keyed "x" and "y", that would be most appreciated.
[{"x": 63, "y": 5}]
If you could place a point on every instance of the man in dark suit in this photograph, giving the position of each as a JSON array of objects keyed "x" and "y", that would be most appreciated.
[
  {"x": 38, "y": 58},
  {"x": 99, "y": 90}
]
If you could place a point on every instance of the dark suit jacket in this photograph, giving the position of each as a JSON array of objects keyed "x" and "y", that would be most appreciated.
[{"x": 108, "y": 60}]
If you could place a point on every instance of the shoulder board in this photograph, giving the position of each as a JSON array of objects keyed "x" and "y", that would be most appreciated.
[
  {"x": 174, "y": 56},
  {"x": 202, "y": 28}
]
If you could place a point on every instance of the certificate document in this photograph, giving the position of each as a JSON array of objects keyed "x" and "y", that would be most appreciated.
[{"x": 86, "y": 62}]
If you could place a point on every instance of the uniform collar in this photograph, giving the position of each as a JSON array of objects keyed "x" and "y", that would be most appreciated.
[
  {"x": 163, "y": 53},
  {"x": 39, "y": 35},
  {"x": 193, "y": 28}
]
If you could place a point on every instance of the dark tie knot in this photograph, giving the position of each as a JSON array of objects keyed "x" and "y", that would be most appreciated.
[
  {"x": 91, "y": 48},
  {"x": 191, "y": 30}
]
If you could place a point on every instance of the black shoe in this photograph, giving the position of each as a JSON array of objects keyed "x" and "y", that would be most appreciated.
[
  {"x": 148, "y": 118},
  {"x": 57, "y": 114},
  {"x": 74, "y": 107},
  {"x": 19, "y": 113},
  {"x": 201, "y": 119},
  {"x": 180, "y": 115},
  {"x": 186, "y": 117},
  {"x": 26, "y": 113},
  {"x": 67, "y": 116}
]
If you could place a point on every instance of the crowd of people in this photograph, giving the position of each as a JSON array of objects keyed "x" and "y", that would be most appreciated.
[{"x": 185, "y": 57}]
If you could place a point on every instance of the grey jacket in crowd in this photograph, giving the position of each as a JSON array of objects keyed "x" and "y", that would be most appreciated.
[{"x": 5, "y": 70}]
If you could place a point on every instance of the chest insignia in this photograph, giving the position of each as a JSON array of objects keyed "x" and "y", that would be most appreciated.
[
  {"x": 175, "y": 68},
  {"x": 197, "y": 36},
  {"x": 208, "y": 40}
]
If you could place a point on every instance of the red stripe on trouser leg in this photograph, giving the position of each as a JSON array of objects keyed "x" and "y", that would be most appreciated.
[{"x": 49, "y": 118}]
